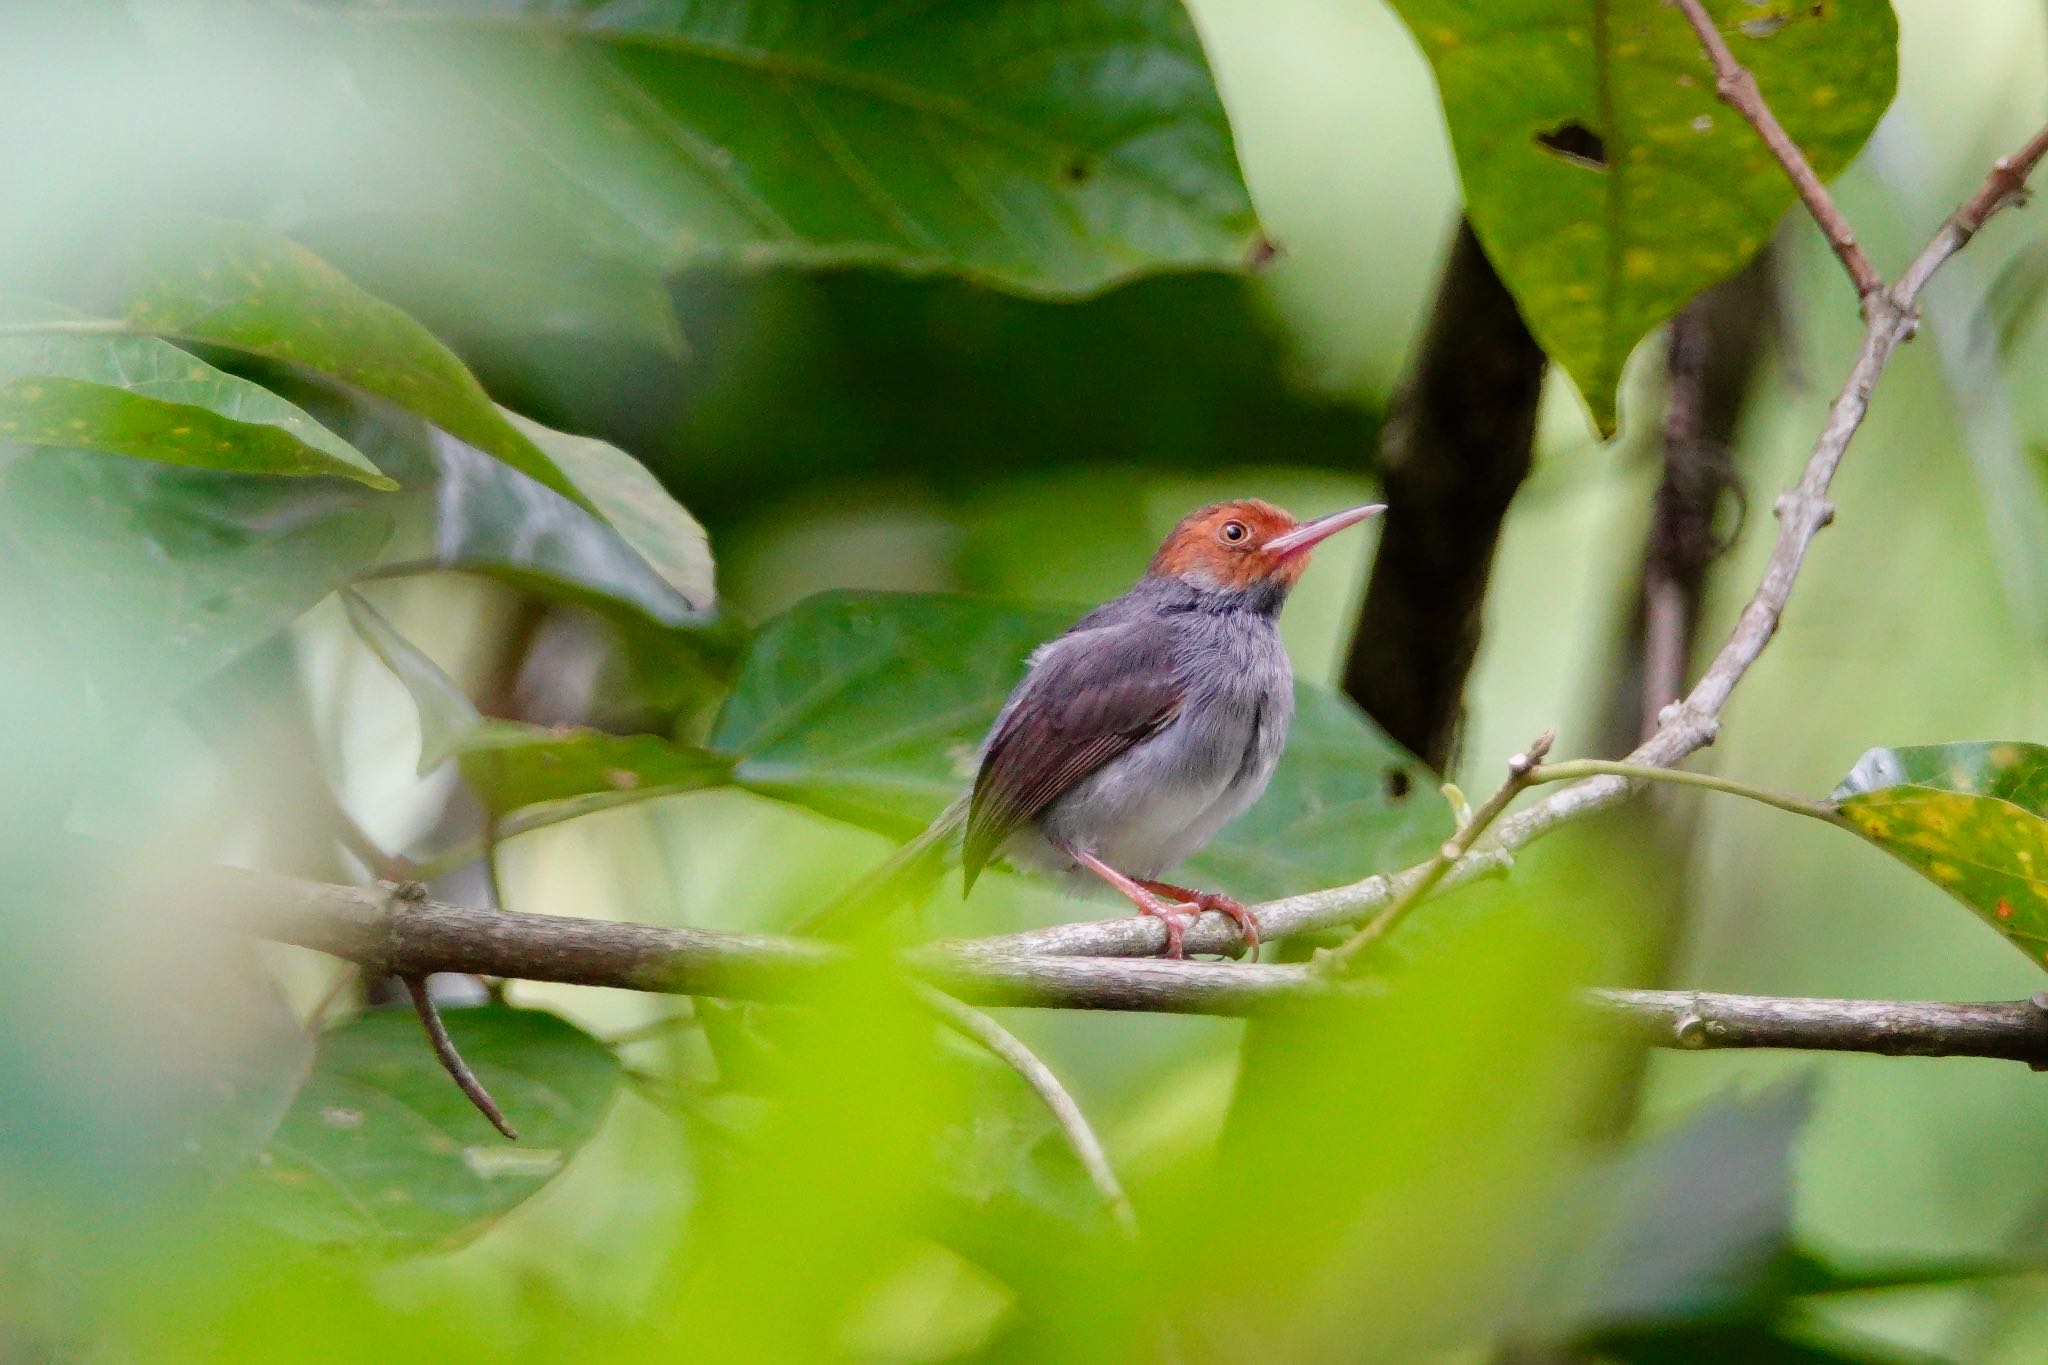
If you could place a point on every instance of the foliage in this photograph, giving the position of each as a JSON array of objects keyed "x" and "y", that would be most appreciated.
[
  {"x": 1586, "y": 132},
  {"x": 923, "y": 296}
]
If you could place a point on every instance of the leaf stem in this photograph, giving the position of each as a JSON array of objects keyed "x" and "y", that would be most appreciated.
[{"x": 1573, "y": 769}]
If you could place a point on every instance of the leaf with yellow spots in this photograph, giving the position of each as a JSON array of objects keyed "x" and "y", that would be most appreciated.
[
  {"x": 1970, "y": 817},
  {"x": 138, "y": 396},
  {"x": 1607, "y": 182}
]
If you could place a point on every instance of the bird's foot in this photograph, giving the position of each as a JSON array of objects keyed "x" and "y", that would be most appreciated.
[
  {"x": 1247, "y": 923},
  {"x": 1176, "y": 916}
]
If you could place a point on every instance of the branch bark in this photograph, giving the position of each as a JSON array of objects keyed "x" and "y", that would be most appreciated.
[
  {"x": 409, "y": 936},
  {"x": 1457, "y": 447}
]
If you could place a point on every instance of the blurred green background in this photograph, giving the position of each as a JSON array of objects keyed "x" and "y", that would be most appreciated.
[{"x": 1390, "y": 1194}]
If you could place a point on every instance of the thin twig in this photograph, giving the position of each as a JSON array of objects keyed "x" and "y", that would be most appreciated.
[
  {"x": 1011, "y": 1050},
  {"x": 451, "y": 1060},
  {"x": 1571, "y": 770},
  {"x": 1522, "y": 769},
  {"x": 1737, "y": 87}
]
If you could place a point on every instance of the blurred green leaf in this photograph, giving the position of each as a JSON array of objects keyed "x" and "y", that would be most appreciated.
[
  {"x": 871, "y": 708},
  {"x": 381, "y": 1151},
  {"x": 446, "y": 714},
  {"x": 1607, "y": 182},
  {"x": 162, "y": 575},
  {"x": 936, "y": 383},
  {"x": 1970, "y": 818},
  {"x": 140, "y": 396},
  {"x": 511, "y": 766},
  {"x": 248, "y": 289},
  {"x": 1688, "y": 1224},
  {"x": 1051, "y": 146},
  {"x": 1751, "y": 1344}
]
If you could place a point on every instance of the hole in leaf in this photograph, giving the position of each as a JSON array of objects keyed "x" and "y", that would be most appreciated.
[
  {"x": 1575, "y": 142},
  {"x": 1399, "y": 783}
]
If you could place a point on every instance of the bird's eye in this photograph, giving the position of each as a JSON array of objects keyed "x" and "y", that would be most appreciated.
[{"x": 1234, "y": 531}]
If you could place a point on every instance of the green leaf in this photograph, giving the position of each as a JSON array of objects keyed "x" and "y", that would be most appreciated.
[
  {"x": 635, "y": 505},
  {"x": 1050, "y": 146},
  {"x": 381, "y": 1151},
  {"x": 511, "y": 766},
  {"x": 476, "y": 515},
  {"x": 446, "y": 714},
  {"x": 245, "y": 288},
  {"x": 1607, "y": 182},
  {"x": 162, "y": 575},
  {"x": 871, "y": 708},
  {"x": 238, "y": 286},
  {"x": 1972, "y": 818},
  {"x": 140, "y": 396}
]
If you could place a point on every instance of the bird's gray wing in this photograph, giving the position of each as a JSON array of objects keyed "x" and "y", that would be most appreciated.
[{"x": 1093, "y": 695}]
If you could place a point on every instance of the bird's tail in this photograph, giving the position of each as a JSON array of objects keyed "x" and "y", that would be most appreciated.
[{"x": 904, "y": 876}]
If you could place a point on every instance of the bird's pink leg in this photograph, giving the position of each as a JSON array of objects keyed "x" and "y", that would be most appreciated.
[
  {"x": 1149, "y": 903},
  {"x": 1247, "y": 923}
]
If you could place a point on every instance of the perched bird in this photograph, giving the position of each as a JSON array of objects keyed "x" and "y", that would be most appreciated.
[{"x": 1145, "y": 728}]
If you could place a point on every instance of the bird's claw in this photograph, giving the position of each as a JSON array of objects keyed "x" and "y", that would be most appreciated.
[
  {"x": 1169, "y": 913},
  {"x": 1247, "y": 923}
]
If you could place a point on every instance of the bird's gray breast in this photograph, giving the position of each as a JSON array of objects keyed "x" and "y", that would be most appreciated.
[{"x": 1159, "y": 803}]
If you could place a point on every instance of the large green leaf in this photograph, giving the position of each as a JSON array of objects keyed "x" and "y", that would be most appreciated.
[
  {"x": 1972, "y": 818},
  {"x": 646, "y": 566},
  {"x": 871, "y": 708},
  {"x": 380, "y": 1150},
  {"x": 1045, "y": 145},
  {"x": 162, "y": 575},
  {"x": 140, "y": 396},
  {"x": 635, "y": 505},
  {"x": 1607, "y": 182},
  {"x": 245, "y": 288}
]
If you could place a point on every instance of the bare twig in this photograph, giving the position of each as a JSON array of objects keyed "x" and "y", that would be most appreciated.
[
  {"x": 451, "y": 1060},
  {"x": 1737, "y": 88},
  {"x": 1521, "y": 773},
  {"x": 1073, "y": 1124}
]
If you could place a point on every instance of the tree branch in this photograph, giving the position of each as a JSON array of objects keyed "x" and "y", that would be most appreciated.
[
  {"x": 2013, "y": 1030},
  {"x": 1737, "y": 88},
  {"x": 1522, "y": 773},
  {"x": 1010, "y": 1049},
  {"x": 414, "y": 937}
]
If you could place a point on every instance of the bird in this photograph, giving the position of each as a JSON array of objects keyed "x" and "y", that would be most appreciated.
[{"x": 1136, "y": 735}]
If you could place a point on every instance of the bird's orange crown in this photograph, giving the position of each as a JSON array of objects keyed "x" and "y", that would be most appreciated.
[{"x": 1225, "y": 545}]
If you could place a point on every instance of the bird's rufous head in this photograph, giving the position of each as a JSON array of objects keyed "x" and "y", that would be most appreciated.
[{"x": 1247, "y": 544}]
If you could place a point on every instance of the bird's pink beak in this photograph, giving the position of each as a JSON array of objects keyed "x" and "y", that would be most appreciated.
[{"x": 1309, "y": 534}]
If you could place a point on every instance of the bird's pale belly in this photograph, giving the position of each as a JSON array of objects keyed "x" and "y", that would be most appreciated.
[{"x": 1157, "y": 805}]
